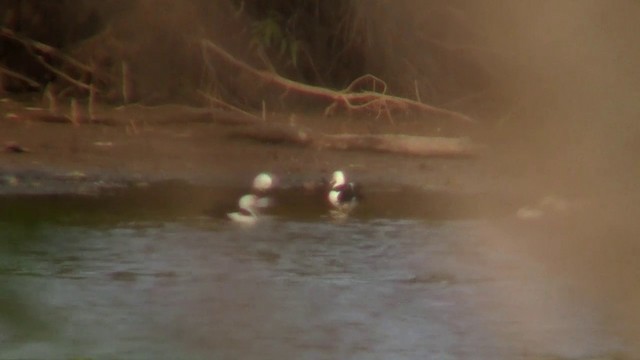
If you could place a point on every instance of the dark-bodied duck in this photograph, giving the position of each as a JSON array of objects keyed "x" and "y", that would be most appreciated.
[{"x": 343, "y": 195}]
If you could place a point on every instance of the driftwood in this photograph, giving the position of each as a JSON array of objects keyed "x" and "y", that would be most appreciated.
[
  {"x": 375, "y": 100},
  {"x": 401, "y": 144},
  {"x": 392, "y": 143}
]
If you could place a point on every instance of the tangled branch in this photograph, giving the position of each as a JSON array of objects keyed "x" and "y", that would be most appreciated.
[{"x": 369, "y": 100}]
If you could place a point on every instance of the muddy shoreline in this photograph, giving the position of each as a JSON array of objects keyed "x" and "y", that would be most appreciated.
[{"x": 168, "y": 144}]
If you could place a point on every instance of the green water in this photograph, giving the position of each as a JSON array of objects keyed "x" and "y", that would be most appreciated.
[{"x": 158, "y": 273}]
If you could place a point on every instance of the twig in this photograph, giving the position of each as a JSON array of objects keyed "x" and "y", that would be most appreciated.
[
  {"x": 374, "y": 81},
  {"x": 415, "y": 87},
  {"x": 126, "y": 83},
  {"x": 19, "y": 76},
  {"x": 51, "y": 99},
  {"x": 43, "y": 48},
  {"x": 227, "y": 105},
  {"x": 35, "y": 48},
  {"x": 75, "y": 116},
  {"x": 91, "y": 106},
  {"x": 62, "y": 74}
]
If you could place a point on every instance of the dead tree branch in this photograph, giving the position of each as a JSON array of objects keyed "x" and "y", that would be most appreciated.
[
  {"x": 43, "y": 48},
  {"x": 36, "y": 49},
  {"x": 372, "y": 100}
]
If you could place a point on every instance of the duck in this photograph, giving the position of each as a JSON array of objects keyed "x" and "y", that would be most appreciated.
[
  {"x": 247, "y": 213},
  {"x": 343, "y": 195},
  {"x": 262, "y": 184}
]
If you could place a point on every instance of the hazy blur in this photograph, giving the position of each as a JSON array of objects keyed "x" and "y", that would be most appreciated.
[{"x": 571, "y": 69}]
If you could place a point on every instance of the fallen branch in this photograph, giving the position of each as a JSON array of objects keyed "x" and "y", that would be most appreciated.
[
  {"x": 401, "y": 144},
  {"x": 391, "y": 143},
  {"x": 373, "y": 100}
]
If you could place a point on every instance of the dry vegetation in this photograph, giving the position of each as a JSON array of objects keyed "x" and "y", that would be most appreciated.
[{"x": 151, "y": 52}]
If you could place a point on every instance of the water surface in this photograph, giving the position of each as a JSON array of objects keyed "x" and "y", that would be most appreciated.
[{"x": 90, "y": 281}]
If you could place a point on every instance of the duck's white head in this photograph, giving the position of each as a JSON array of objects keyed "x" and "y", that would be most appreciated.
[
  {"x": 248, "y": 202},
  {"x": 337, "y": 179},
  {"x": 263, "y": 182}
]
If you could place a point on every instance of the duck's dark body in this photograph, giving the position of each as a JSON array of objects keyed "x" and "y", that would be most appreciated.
[
  {"x": 346, "y": 193},
  {"x": 343, "y": 195}
]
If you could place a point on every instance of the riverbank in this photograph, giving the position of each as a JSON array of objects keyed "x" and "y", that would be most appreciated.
[{"x": 172, "y": 142}]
